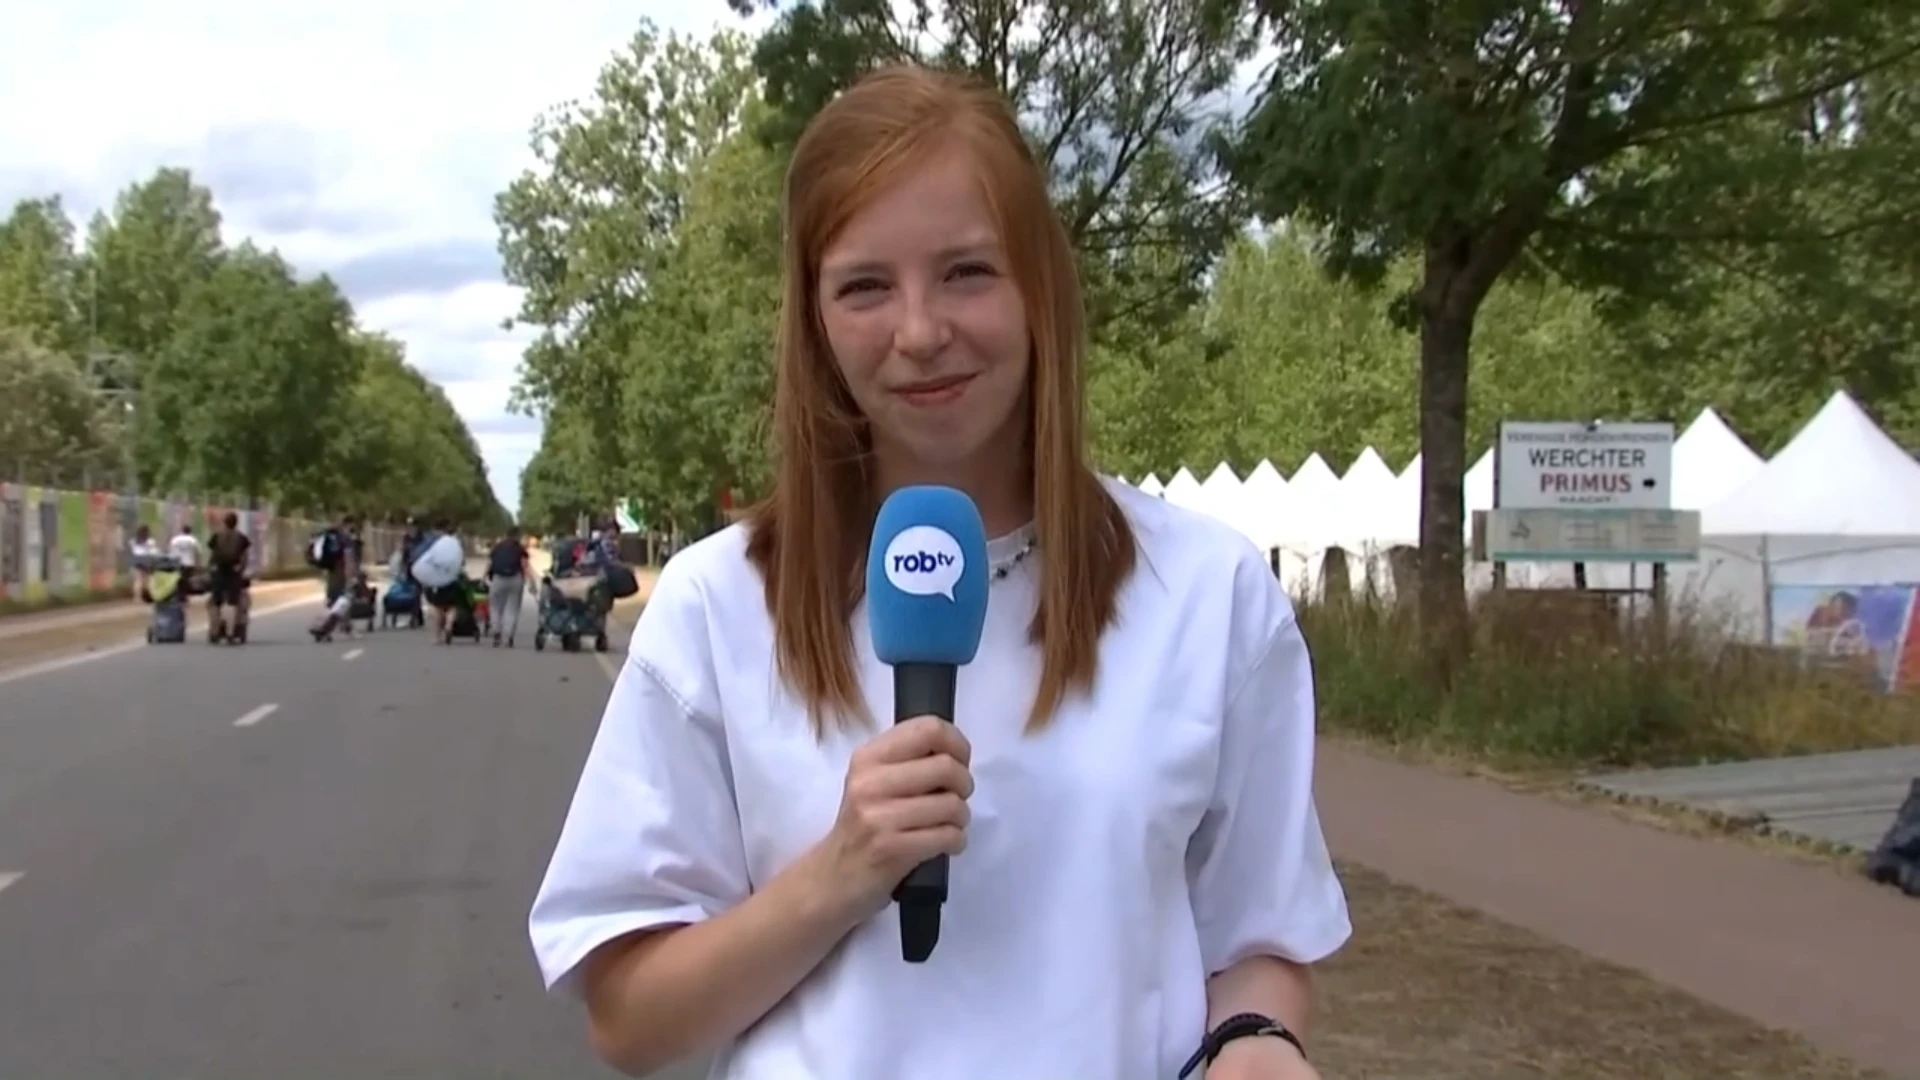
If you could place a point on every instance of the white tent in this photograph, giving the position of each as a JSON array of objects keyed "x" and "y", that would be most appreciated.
[
  {"x": 1183, "y": 490},
  {"x": 1220, "y": 496},
  {"x": 1266, "y": 495},
  {"x": 1399, "y": 522},
  {"x": 1152, "y": 486},
  {"x": 1365, "y": 492},
  {"x": 1710, "y": 462},
  {"x": 1839, "y": 506},
  {"x": 1312, "y": 522}
]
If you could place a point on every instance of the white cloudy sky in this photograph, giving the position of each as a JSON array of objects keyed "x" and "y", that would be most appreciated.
[{"x": 361, "y": 138}]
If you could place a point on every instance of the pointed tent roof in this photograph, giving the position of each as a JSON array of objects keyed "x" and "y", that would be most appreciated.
[
  {"x": 1267, "y": 498},
  {"x": 1709, "y": 462},
  {"x": 1366, "y": 493},
  {"x": 1840, "y": 476},
  {"x": 1183, "y": 489},
  {"x": 1152, "y": 486},
  {"x": 1313, "y": 505}
]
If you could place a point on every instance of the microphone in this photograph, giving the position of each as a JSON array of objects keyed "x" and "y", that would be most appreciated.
[{"x": 927, "y": 605}]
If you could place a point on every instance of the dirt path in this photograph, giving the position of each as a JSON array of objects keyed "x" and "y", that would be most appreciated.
[{"x": 1789, "y": 945}]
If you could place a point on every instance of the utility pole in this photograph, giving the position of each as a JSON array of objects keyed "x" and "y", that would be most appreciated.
[{"x": 115, "y": 379}]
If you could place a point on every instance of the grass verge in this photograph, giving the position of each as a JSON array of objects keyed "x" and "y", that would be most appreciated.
[{"x": 1553, "y": 681}]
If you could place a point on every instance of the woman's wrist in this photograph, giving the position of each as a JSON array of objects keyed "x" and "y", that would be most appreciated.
[{"x": 819, "y": 892}]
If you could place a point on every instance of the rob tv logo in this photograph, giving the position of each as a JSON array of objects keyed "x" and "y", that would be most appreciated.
[{"x": 925, "y": 561}]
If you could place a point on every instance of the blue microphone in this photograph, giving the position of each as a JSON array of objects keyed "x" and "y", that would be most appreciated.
[{"x": 927, "y": 605}]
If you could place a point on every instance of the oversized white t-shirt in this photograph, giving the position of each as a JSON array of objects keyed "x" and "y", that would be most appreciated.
[{"x": 1156, "y": 831}]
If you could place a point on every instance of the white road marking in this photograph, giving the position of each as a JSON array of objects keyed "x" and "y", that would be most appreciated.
[
  {"x": 9, "y": 877},
  {"x": 257, "y": 715},
  {"x": 61, "y": 663},
  {"x": 605, "y": 660},
  {"x": 352, "y": 654}
]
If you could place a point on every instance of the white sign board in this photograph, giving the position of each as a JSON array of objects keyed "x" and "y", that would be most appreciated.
[
  {"x": 1648, "y": 536},
  {"x": 1560, "y": 466}
]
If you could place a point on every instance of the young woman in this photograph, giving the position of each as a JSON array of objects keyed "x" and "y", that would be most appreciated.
[{"x": 1127, "y": 792}]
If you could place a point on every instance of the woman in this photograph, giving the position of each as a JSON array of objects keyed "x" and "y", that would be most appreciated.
[
  {"x": 1127, "y": 790},
  {"x": 142, "y": 553}
]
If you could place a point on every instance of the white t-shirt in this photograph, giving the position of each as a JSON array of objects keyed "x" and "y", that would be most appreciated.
[
  {"x": 1155, "y": 832},
  {"x": 185, "y": 549}
]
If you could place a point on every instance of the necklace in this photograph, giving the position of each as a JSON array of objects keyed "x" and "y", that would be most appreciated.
[{"x": 1006, "y": 568}]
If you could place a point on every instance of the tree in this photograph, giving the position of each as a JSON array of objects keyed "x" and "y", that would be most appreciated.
[
  {"x": 405, "y": 451},
  {"x": 162, "y": 239},
  {"x": 1588, "y": 137},
  {"x": 51, "y": 426},
  {"x": 250, "y": 390},
  {"x": 39, "y": 275},
  {"x": 1119, "y": 98},
  {"x": 592, "y": 234}
]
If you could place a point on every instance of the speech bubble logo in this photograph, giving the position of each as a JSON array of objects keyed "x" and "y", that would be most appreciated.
[{"x": 925, "y": 561}]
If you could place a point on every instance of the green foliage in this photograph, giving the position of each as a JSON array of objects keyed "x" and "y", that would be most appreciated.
[
  {"x": 39, "y": 275},
  {"x": 1620, "y": 215},
  {"x": 1594, "y": 139},
  {"x": 52, "y": 427},
  {"x": 1117, "y": 96},
  {"x": 160, "y": 357},
  {"x": 646, "y": 241}
]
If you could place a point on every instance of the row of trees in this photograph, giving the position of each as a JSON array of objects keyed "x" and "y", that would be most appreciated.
[
  {"x": 1623, "y": 208},
  {"x": 157, "y": 357}
]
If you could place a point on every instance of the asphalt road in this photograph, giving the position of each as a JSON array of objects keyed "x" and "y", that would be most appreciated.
[{"x": 288, "y": 859}]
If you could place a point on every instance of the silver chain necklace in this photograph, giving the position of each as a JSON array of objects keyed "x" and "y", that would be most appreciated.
[{"x": 1006, "y": 568}]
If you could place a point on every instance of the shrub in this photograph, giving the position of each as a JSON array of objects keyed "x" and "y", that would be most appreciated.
[{"x": 1562, "y": 677}]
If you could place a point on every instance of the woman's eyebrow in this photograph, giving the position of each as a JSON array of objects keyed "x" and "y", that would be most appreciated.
[{"x": 858, "y": 265}]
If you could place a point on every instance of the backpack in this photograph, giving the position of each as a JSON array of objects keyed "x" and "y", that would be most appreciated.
[{"x": 323, "y": 552}]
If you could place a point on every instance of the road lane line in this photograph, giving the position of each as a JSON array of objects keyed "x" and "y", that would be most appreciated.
[
  {"x": 352, "y": 654},
  {"x": 8, "y": 877},
  {"x": 61, "y": 663},
  {"x": 257, "y": 715},
  {"x": 607, "y": 665}
]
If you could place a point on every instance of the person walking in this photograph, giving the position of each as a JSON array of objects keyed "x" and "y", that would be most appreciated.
[{"x": 507, "y": 577}]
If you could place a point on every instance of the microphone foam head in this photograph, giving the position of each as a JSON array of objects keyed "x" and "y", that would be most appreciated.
[{"x": 927, "y": 577}]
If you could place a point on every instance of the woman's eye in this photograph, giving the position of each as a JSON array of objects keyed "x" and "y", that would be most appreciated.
[
  {"x": 858, "y": 285},
  {"x": 972, "y": 270}
]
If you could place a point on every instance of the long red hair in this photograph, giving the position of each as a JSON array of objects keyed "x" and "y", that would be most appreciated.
[{"x": 809, "y": 537}]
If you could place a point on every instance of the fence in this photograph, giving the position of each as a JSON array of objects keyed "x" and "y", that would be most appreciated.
[{"x": 73, "y": 546}]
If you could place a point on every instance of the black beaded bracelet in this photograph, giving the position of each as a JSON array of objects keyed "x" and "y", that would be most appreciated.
[{"x": 1239, "y": 1026}]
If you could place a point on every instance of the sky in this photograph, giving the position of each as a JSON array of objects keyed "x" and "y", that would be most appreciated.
[{"x": 363, "y": 139}]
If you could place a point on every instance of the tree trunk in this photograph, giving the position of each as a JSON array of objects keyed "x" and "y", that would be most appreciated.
[{"x": 1446, "y": 334}]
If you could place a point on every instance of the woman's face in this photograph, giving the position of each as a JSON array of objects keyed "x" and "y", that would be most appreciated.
[{"x": 925, "y": 321}]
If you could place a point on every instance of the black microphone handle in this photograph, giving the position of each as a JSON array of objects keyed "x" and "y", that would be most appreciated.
[{"x": 922, "y": 690}]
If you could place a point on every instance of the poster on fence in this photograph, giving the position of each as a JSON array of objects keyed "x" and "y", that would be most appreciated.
[
  {"x": 1868, "y": 627},
  {"x": 13, "y": 543}
]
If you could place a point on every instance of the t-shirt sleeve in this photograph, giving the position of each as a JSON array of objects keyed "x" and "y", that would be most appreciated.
[
  {"x": 1262, "y": 880},
  {"x": 652, "y": 838}
]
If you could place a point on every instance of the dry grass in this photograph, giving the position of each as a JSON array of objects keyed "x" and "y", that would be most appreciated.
[
  {"x": 1553, "y": 680},
  {"x": 1431, "y": 991}
]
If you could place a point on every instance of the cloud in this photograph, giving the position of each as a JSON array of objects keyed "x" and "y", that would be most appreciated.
[
  {"x": 430, "y": 268},
  {"x": 362, "y": 139}
]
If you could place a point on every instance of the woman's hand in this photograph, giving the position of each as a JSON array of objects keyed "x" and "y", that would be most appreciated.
[{"x": 905, "y": 801}]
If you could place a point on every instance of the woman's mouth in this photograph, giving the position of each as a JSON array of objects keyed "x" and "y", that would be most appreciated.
[{"x": 935, "y": 391}]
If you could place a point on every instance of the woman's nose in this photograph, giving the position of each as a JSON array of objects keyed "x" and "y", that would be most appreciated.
[{"x": 923, "y": 329}]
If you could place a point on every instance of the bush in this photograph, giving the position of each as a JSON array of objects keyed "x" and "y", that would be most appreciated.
[{"x": 1563, "y": 678}]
